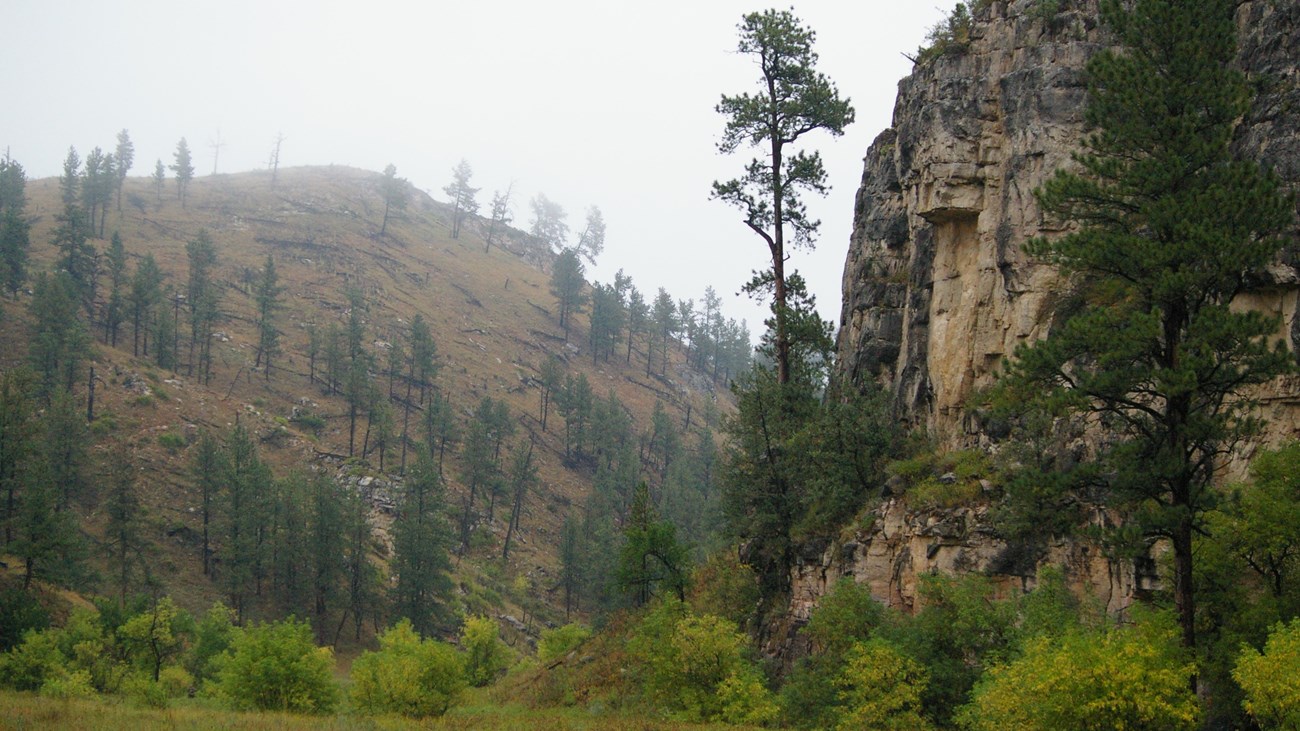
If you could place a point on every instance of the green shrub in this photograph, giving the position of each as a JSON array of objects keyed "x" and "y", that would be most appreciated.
[
  {"x": 36, "y": 660},
  {"x": 695, "y": 667},
  {"x": 880, "y": 688},
  {"x": 76, "y": 684},
  {"x": 924, "y": 478},
  {"x": 556, "y": 643},
  {"x": 309, "y": 421},
  {"x": 486, "y": 655},
  {"x": 212, "y": 637},
  {"x": 278, "y": 667},
  {"x": 1132, "y": 677},
  {"x": 171, "y": 441},
  {"x": 1271, "y": 679},
  {"x": 408, "y": 675}
]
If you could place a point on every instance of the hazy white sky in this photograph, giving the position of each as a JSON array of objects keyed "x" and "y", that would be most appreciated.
[{"x": 590, "y": 102}]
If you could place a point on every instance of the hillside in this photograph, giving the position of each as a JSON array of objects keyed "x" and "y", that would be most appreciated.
[{"x": 491, "y": 314}]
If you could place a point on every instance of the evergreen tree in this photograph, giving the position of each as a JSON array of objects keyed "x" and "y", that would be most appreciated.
[
  {"x": 327, "y": 548},
  {"x": 591, "y": 242},
  {"x": 793, "y": 100},
  {"x": 548, "y": 223},
  {"x": 184, "y": 169},
  {"x": 204, "y": 297},
  {"x": 357, "y": 376},
  {"x": 97, "y": 185},
  {"x": 421, "y": 541},
  {"x": 462, "y": 196},
  {"x": 290, "y": 543},
  {"x": 159, "y": 179},
  {"x": 571, "y": 564},
  {"x": 501, "y": 215},
  {"x": 58, "y": 341},
  {"x": 18, "y": 441},
  {"x": 144, "y": 301},
  {"x": 115, "y": 312},
  {"x": 246, "y": 483},
  {"x": 360, "y": 573},
  {"x": 567, "y": 283},
  {"x": 124, "y": 155},
  {"x": 665, "y": 327},
  {"x": 266, "y": 295},
  {"x": 123, "y": 533},
  {"x": 552, "y": 378},
  {"x": 521, "y": 476},
  {"x": 607, "y": 316},
  {"x": 638, "y": 320},
  {"x": 1170, "y": 229},
  {"x": 14, "y": 227},
  {"x": 64, "y": 446},
  {"x": 396, "y": 193},
  {"x": 440, "y": 429},
  {"x": 208, "y": 469}
]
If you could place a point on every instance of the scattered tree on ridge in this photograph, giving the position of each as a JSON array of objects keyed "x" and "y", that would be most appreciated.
[{"x": 462, "y": 196}]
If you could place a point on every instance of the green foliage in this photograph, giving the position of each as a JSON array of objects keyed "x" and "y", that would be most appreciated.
[
  {"x": 276, "y": 666},
  {"x": 1132, "y": 677},
  {"x": 37, "y": 660},
  {"x": 1271, "y": 679},
  {"x": 880, "y": 688},
  {"x": 213, "y": 636},
  {"x": 1170, "y": 228},
  {"x": 486, "y": 656},
  {"x": 20, "y": 612},
  {"x": 946, "y": 480},
  {"x": 651, "y": 557},
  {"x": 950, "y": 35},
  {"x": 421, "y": 544},
  {"x": 409, "y": 676},
  {"x": 694, "y": 666},
  {"x": 792, "y": 100},
  {"x": 171, "y": 441},
  {"x": 567, "y": 283},
  {"x": 559, "y": 642}
]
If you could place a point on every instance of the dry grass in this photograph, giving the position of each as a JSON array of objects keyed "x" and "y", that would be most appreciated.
[{"x": 23, "y": 712}]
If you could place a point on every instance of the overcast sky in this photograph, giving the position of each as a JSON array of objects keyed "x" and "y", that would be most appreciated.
[{"x": 591, "y": 103}]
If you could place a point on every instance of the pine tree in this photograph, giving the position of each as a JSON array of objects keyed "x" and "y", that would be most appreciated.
[
  {"x": 567, "y": 284},
  {"x": 14, "y": 229},
  {"x": 793, "y": 99},
  {"x": 521, "y": 476},
  {"x": 124, "y": 155},
  {"x": 462, "y": 196},
  {"x": 1170, "y": 228},
  {"x": 548, "y": 223},
  {"x": 396, "y": 192},
  {"x": 208, "y": 469},
  {"x": 184, "y": 169},
  {"x": 144, "y": 300},
  {"x": 266, "y": 295},
  {"x": 159, "y": 179},
  {"x": 501, "y": 216},
  {"x": 123, "y": 532},
  {"x": 591, "y": 242},
  {"x": 327, "y": 548},
  {"x": 58, "y": 342},
  {"x": 203, "y": 297},
  {"x": 18, "y": 441},
  {"x": 115, "y": 312},
  {"x": 421, "y": 541}
]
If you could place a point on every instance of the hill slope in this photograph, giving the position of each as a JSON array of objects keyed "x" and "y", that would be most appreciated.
[{"x": 490, "y": 312}]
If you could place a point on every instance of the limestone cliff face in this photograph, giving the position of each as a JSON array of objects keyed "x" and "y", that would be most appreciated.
[{"x": 937, "y": 288}]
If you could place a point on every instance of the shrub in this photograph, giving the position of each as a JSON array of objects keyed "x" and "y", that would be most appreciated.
[
  {"x": 29, "y": 665},
  {"x": 556, "y": 643},
  {"x": 408, "y": 675},
  {"x": 1271, "y": 679},
  {"x": 277, "y": 667},
  {"x": 76, "y": 684},
  {"x": 880, "y": 688},
  {"x": 486, "y": 655},
  {"x": 1135, "y": 677},
  {"x": 695, "y": 667},
  {"x": 212, "y": 637},
  {"x": 171, "y": 441}
]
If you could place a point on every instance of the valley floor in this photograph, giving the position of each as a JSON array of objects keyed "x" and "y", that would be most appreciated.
[{"x": 24, "y": 711}]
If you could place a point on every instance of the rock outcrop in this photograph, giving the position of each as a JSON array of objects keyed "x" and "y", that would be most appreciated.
[{"x": 937, "y": 287}]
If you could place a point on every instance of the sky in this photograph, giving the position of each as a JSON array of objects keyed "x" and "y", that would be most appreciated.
[{"x": 599, "y": 102}]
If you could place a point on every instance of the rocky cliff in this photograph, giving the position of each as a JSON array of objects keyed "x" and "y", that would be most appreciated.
[{"x": 937, "y": 288}]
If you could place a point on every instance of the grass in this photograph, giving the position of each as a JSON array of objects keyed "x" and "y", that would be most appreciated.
[{"x": 22, "y": 711}]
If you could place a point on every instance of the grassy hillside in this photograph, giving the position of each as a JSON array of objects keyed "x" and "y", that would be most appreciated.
[{"x": 490, "y": 311}]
